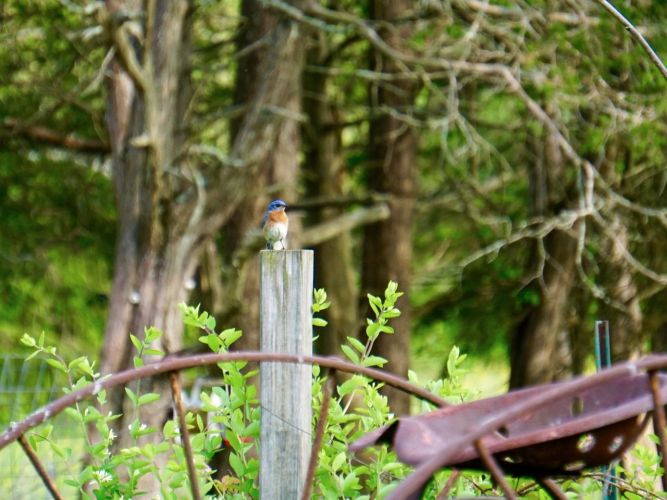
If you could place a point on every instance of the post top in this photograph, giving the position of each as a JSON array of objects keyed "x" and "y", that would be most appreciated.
[{"x": 265, "y": 251}]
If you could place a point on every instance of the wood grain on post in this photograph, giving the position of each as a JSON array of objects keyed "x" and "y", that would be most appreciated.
[{"x": 286, "y": 294}]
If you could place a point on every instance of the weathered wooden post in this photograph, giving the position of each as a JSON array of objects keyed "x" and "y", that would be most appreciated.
[{"x": 286, "y": 295}]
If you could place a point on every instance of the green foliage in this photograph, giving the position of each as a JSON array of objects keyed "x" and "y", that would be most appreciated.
[
  {"x": 56, "y": 250},
  {"x": 232, "y": 422},
  {"x": 320, "y": 303}
]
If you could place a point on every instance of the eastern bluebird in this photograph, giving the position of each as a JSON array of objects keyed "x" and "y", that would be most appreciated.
[{"x": 274, "y": 224}]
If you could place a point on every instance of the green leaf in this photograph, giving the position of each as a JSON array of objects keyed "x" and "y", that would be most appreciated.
[
  {"x": 148, "y": 398},
  {"x": 230, "y": 335},
  {"x": 153, "y": 352},
  {"x": 131, "y": 395},
  {"x": 210, "y": 323},
  {"x": 169, "y": 430},
  {"x": 359, "y": 346},
  {"x": 32, "y": 355},
  {"x": 75, "y": 363},
  {"x": 373, "y": 330},
  {"x": 350, "y": 385},
  {"x": 319, "y": 322},
  {"x": 338, "y": 461},
  {"x": 73, "y": 413},
  {"x": 391, "y": 313},
  {"x": 136, "y": 342},
  {"x": 86, "y": 368},
  {"x": 374, "y": 361},
  {"x": 28, "y": 340},
  {"x": 57, "y": 364},
  {"x": 138, "y": 362},
  {"x": 375, "y": 302},
  {"x": 152, "y": 334},
  {"x": 349, "y": 352},
  {"x": 198, "y": 441},
  {"x": 236, "y": 464}
]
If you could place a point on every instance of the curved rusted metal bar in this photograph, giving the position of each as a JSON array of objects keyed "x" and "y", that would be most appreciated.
[
  {"x": 550, "y": 486},
  {"x": 495, "y": 470},
  {"x": 171, "y": 364},
  {"x": 659, "y": 423},
  {"x": 451, "y": 481},
  {"x": 423, "y": 472},
  {"x": 177, "y": 396},
  {"x": 41, "y": 470},
  {"x": 329, "y": 387}
]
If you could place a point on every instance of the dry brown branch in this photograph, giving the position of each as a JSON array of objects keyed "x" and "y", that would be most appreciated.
[{"x": 51, "y": 137}]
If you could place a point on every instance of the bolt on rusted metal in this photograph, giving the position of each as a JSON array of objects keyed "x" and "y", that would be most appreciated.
[
  {"x": 34, "y": 459},
  {"x": 185, "y": 435}
]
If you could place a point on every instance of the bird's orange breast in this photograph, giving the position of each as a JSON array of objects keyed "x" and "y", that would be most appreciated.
[{"x": 278, "y": 216}]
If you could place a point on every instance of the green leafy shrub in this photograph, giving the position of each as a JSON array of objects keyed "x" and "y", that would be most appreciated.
[{"x": 232, "y": 422}]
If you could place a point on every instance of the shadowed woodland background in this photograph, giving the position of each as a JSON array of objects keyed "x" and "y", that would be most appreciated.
[{"x": 503, "y": 162}]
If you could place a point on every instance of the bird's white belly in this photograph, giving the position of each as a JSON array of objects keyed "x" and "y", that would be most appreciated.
[{"x": 276, "y": 232}]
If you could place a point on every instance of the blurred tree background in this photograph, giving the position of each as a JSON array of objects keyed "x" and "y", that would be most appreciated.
[{"x": 503, "y": 161}]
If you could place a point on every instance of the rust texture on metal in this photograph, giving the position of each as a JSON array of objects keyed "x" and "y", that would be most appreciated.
[
  {"x": 555, "y": 429},
  {"x": 185, "y": 434},
  {"x": 39, "y": 467}
]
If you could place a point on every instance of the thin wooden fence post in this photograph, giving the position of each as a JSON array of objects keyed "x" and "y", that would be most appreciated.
[{"x": 286, "y": 295}]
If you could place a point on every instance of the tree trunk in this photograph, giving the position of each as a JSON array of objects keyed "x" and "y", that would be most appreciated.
[
  {"x": 325, "y": 178},
  {"x": 625, "y": 322},
  {"x": 387, "y": 245},
  {"x": 167, "y": 209},
  {"x": 540, "y": 351},
  {"x": 540, "y": 347},
  {"x": 158, "y": 242},
  {"x": 278, "y": 176}
]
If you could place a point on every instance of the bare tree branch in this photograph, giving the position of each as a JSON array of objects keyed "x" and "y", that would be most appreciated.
[
  {"x": 331, "y": 228},
  {"x": 636, "y": 35},
  {"x": 53, "y": 138}
]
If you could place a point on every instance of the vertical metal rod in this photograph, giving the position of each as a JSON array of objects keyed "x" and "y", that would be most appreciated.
[
  {"x": 602, "y": 361},
  {"x": 185, "y": 435},
  {"x": 48, "y": 482},
  {"x": 659, "y": 423},
  {"x": 552, "y": 488},
  {"x": 451, "y": 481},
  {"x": 495, "y": 470},
  {"x": 329, "y": 387}
]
